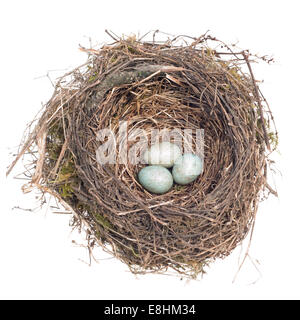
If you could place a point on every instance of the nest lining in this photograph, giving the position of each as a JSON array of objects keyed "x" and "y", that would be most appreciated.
[{"x": 158, "y": 86}]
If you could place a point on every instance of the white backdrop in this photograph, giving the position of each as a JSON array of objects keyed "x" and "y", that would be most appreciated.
[{"x": 37, "y": 256}]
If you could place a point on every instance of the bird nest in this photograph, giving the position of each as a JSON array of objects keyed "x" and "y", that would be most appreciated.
[{"x": 126, "y": 91}]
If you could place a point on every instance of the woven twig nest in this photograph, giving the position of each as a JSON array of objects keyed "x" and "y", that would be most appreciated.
[{"x": 158, "y": 86}]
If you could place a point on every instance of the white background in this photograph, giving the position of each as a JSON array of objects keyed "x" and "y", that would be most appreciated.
[{"x": 37, "y": 257}]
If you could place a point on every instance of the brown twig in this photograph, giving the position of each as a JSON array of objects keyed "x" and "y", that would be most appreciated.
[{"x": 258, "y": 101}]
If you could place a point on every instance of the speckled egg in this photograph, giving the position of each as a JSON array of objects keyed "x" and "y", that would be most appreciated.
[
  {"x": 187, "y": 168},
  {"x": 156, "y": 179},
  {"x": 163, "y": 154}
]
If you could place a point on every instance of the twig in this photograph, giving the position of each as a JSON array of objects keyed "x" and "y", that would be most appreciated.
[{"x": 258, "y": 101}]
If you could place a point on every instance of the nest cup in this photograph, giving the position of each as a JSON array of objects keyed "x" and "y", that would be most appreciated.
[{"x": 128, "y": 89}]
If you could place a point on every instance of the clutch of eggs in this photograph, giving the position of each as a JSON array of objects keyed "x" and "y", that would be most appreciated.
[{"x": 156, "y": 178}]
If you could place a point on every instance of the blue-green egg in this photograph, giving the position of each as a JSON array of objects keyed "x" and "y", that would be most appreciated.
[
  {"x": 187, "y": 168},
  {"x": 156, "y": 179},
  {"x": 162, "y": 154}
]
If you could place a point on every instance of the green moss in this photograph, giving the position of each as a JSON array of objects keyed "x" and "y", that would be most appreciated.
[
  {"x": 66, "y": 179},
  {"x": 134, "y": 253},
  {"x": 93, "y": 77},
  {"x": 66, "y": 190},
  {"x": 179, "y": 187},
  {"x": 273, "y": 138},
  {"x": 101, "y": 220},
  {"x": 53, "y": 153},
  {"x": 132, "y": 50},
  {"x": 209, "y": 52},
  {"x": 67, "y": 168},
  {"x": 234, "y": 72},
  {"x": 55, "y": 140}
]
